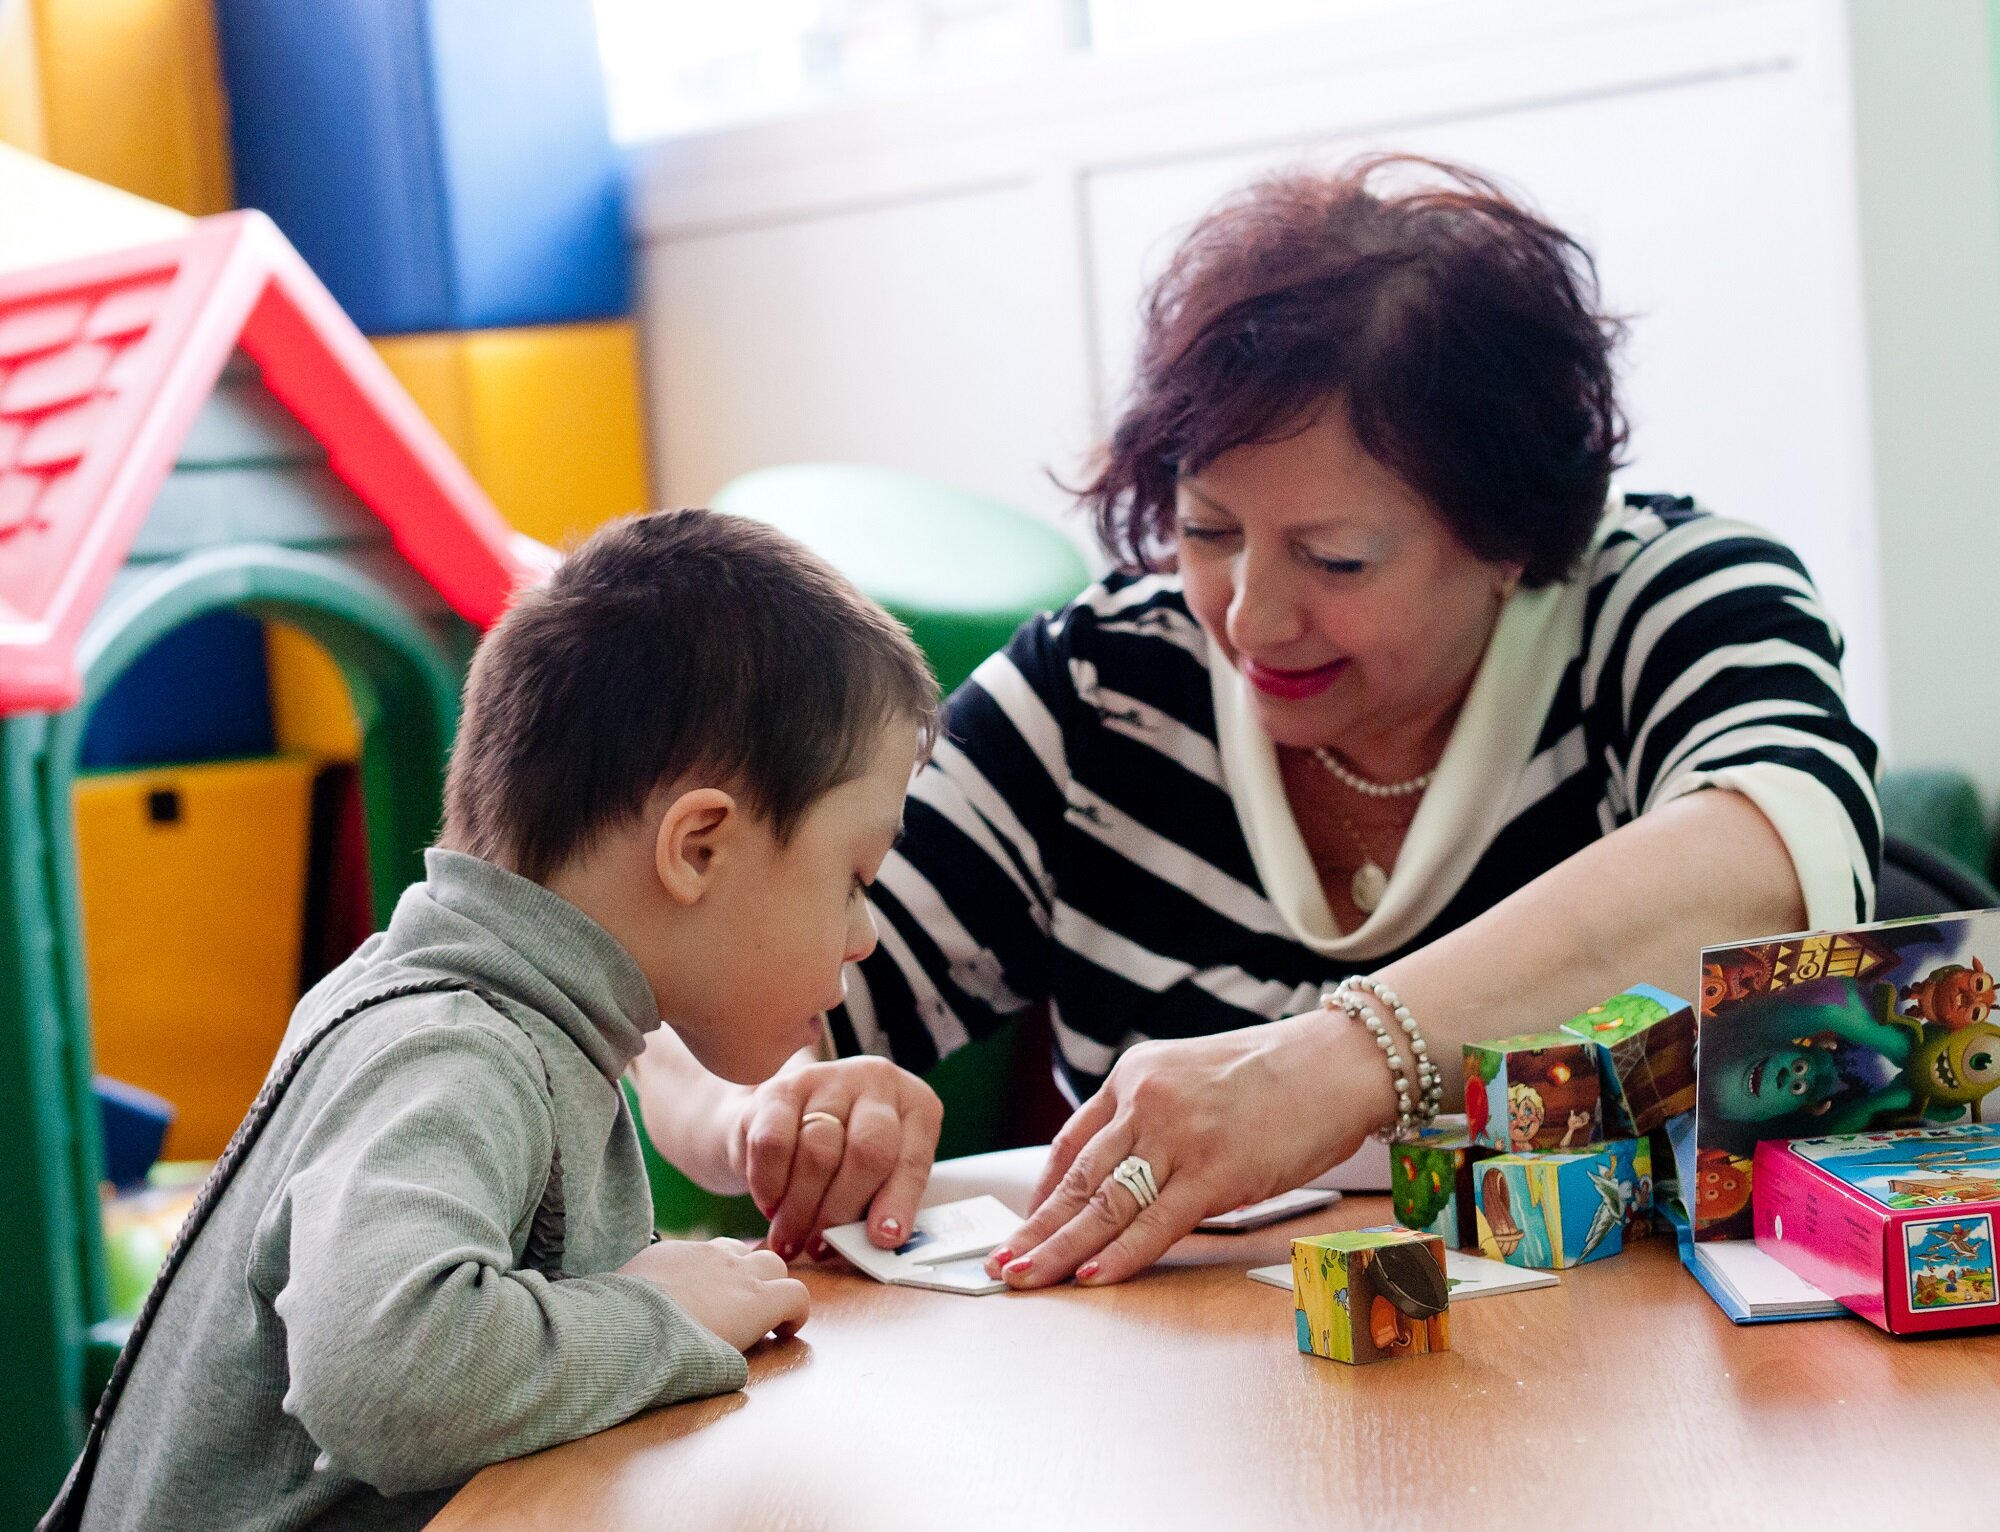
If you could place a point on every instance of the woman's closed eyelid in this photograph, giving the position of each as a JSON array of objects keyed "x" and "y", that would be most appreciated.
[{"x": 1336, "y": 563}]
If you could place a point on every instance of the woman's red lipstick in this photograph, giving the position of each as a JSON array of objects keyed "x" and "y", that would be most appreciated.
[{"x": 1292, "y": 685}]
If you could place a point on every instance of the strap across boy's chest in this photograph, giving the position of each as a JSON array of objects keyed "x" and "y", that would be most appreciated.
[{"x": 543, "y": 1254}]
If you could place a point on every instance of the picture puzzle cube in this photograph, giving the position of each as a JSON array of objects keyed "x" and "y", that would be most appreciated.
[
  {"x": 1645, "y": 1057},
  {"x": 1558, "y": 1209},
  {"x": 1430, "y": 1181},
  {"x": 1537, "y": 1091},
  {"x": 1366, "y": 1295}
]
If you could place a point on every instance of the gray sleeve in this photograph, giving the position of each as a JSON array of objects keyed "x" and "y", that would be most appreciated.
[{"x": 416, "y": 1353}]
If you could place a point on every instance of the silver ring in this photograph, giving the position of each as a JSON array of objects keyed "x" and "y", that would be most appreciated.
[{"x": 1136, "y": 1176}]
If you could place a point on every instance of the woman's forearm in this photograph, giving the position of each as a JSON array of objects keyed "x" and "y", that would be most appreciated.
[
  {"x": 1635, "y": 907},
  {"x": 687, "y": 1112}
]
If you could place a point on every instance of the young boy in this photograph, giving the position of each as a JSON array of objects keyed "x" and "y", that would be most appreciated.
[{"x": 681, "y": 762}]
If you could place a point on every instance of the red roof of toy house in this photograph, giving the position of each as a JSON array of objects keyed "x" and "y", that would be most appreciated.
[{"x": 104, "y": 365}]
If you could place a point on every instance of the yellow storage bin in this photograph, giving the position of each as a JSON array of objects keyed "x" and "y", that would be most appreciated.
[
  {"x": 132, "y": 95},
  {"x": 547, "y": 417},
  {"x": 311, "y": 710},
  {"x": 193, "y": 887},
  {"x": 20, "y": 80}
]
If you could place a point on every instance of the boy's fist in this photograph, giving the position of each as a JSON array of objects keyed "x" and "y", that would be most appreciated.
[
  {"x": 826, "y": 1144},
  {"x": 729, "y": 1289}
]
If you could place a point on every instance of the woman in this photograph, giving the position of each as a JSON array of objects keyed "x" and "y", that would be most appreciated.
[{"x": 1384, "y": 688}]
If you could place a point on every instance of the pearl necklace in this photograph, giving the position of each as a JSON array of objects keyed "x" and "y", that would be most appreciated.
[
  {"x": 1362, "y": 785},
  {"x": 1370, "y": 882}
]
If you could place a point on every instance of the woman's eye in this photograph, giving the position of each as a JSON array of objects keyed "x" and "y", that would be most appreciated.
[
  {"x": 1337, "y": 566},
  {"x": 1206, "y": 534}
]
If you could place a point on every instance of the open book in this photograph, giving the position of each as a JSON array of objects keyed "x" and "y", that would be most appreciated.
[{"x": 946, "y": 1252}]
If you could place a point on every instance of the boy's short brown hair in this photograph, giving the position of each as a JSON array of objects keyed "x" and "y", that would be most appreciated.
[{"x": 669, "y": 644}]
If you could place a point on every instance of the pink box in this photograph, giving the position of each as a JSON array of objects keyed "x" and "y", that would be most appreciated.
[{"x": 1898, "y": 1226}]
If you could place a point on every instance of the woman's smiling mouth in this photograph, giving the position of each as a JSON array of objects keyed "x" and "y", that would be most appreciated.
[{"x": 1292, "y": 685}]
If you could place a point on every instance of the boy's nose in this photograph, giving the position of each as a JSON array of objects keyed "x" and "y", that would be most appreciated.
[{"x": 861, "y": 935}]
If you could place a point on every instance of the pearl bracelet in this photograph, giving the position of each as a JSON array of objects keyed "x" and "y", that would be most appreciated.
[
  {"x": 1430, "y": 1079},
  {"x": 1357, "y": 1009}
]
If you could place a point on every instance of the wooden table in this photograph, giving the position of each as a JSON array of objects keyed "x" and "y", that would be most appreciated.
[{"x": 1621, "y": 1399}]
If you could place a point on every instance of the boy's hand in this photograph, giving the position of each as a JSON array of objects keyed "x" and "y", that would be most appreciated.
[
  {"x": 826, "y": 1144},
  {"x": 726, "y": 1287}
]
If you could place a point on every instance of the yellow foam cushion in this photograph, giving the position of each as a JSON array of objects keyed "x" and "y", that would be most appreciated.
[
  {"x": 132, "y": 95},
  {"x": 20, "y": 80},
  {"x": 193, "y": 888},
  {"x": 311, "y": 710},
  {"x": 547, "y": 417}
]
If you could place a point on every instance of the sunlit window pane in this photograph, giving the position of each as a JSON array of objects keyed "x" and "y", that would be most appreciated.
[
  {"x": 1156, "y": 26},
  {"x": 672, "y": 66}
]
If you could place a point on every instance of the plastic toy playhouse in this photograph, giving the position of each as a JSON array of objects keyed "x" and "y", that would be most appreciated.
[{"x": 188, "y": 431}]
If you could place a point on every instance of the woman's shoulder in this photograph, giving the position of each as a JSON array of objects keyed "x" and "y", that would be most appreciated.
[
  {"x": 1123, "y": 595},
  {"x": 1129, "y": 634},
  {"x": 1647, "y": 539},
  {"x": 1669, "y": 583},
  {"x": 1126, "y": 616}
]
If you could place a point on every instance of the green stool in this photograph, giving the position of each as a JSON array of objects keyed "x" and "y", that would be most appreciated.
[{"x": 963, "y": 573}]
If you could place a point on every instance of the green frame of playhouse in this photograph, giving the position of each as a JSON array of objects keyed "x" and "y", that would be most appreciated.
[{"x": 382, "y": 550}]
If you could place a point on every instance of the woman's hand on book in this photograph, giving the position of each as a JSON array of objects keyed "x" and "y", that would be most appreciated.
[{"x": 830, "y": 1143}]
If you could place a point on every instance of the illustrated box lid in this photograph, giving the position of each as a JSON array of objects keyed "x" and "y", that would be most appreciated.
[{"x": 1899, "y": 1226}]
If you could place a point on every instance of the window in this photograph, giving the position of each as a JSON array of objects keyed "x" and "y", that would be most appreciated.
[
  {"x": 1159, "y": 26},
  {"x": 678, "y": 66},
  {"x": 673, "y": 66}
]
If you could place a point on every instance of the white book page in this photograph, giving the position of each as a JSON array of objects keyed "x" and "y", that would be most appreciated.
[{"x": 1762, "y": 1283}]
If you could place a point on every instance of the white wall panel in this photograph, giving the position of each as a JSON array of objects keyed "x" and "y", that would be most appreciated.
[{"x": 926, "y": 335}]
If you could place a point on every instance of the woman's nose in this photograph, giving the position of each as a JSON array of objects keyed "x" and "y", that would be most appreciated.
[{"x": 1263, "y": 618}]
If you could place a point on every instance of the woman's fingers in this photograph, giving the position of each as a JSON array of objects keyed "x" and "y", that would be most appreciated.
[
  {"x": 1085, "y": 1123},
  {"x": 1149, "y": 1236},
  {"x": 893, "y": 1212},
  {"x": 1079, "y": 1197},
  {"x": 874, "y": 1142},
  {"x": 821, "y": 1140},
  {"x": 770, "y": 1140}
]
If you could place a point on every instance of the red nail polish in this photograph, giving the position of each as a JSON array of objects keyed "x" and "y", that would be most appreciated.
[
  {"x": 893, "y": 1227},
  {"x": 999, "y": 1258},
  {"x": 1086, "y": 1271},
  {"x": 787, "y": 1251},
  {"x": 1019, "y": 1268}
]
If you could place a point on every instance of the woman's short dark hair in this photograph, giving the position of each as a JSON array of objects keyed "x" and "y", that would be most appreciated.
[
  {"x": 1461, "y": 331},
  {"x": 666, "y": 645}
]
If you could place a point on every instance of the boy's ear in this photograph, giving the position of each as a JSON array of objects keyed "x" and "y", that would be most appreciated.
[{"x": 694, "y": 835}]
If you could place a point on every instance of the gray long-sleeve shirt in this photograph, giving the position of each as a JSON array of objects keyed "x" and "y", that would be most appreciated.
[{"x": 352, "y": 1336}]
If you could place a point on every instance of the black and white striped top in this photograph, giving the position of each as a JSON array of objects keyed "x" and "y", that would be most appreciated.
[{"x": 1104, "y": 827}]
